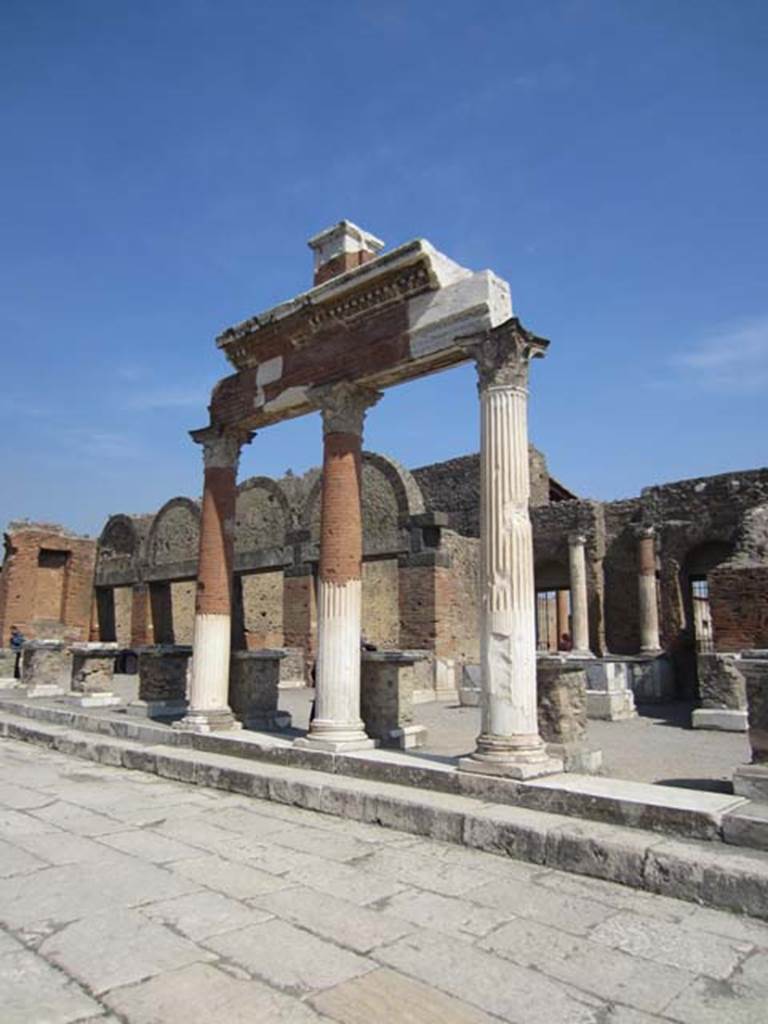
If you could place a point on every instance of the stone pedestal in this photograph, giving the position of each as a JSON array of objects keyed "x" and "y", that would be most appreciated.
[
  {"x": 469, "y": 690},
  {"x": 93, "y": 667},
  {"x": 163, "y": 682},
  {"x": 562, "y": 712},
  {"x": 652, "y": 679},
  {"x": 752, "y": 780},
  {"x": 723, "y": 693},
  {"x": 509, "y": 743},
  {"x": 388, "y": 681},
  {"x": 293, "y": 669},
  {"x": 609, "y": 694},
  {"x": 46, "y": 668},
  {"x": 254, "y": 682},
  {"x": 337, "y": 725},
  {"x": 7, "y": 667}
]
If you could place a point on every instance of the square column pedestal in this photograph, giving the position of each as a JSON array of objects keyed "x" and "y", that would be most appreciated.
[
  {"x": 93, "y": 668},
  {"x": 163, "y": 681},
  {"x": 46, "y": 668},
  {"x": 388, "y": 684},
  {"x": 254, "y": 681}
]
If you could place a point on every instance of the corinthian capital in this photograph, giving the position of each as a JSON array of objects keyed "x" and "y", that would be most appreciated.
[
  {"x": 221, "y": 449},
  {"x": 343, "y": 406},
  {"x": 503, "y": 354}
]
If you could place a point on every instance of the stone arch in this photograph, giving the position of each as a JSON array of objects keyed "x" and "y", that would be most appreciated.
[
  {"x": 263, "y": 515},
  {"x": 174, "y": 535},
  {"x": 118, "y": 548},
  {"x": 390, "y": 496}
]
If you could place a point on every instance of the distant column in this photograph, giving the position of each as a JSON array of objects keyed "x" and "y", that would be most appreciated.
[
  {"x": 209, "y": 684},
  {"x": 647, "y": 599},
  {"x": 337, "y": 724},
  {"x": 509, "y": 743},
  {"x": 579, "y": 605}
]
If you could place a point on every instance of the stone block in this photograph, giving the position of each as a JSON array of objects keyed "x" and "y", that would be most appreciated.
[
  {"x": 722, "y": 719},
  {"x": 562, "y": 699},
  {"x": 751, "y": 781},
  {"x": 611, "y": 706},
  {"x": 609, "y": 695},
  {"x": 254, "y": 680},
  {"x": 747, "y": 826},
  {"x": 721, "y": 682},
  {"x": 755, "y": 671},
  {"x": 577, "y": 757},
  {"x": 293, "y": 668},
  {"x": 469, "y": 689},
  {"x": 652, "y": 679},
  {"x": 387, "y": 684},
  {"x": 7, "y": 665},
  {"x": 445, "y": 670},
  {"x": 93, "y": 667},
  {"x": 163, "y": 678},
  {"x": 46, "y": 667}
]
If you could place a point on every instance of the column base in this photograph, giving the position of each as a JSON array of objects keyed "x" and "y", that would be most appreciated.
[
  {"x": 651, "y": 652},
  {"x": 526, "y": 758},
  {"x": 210, "y": 720},
  {"x": 96, "y": 699},
  {"x": 585, "y": 655}
]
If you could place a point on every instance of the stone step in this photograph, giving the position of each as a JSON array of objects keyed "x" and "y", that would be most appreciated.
[
  {"x": 687, "y": 813},
  {"x": 706, "y": 873}
]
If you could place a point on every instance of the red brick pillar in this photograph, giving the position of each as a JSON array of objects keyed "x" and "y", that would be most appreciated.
[
  {"x": 337, "y": 724},
  {"x": 141, "y": 619},
  {"x": 211, "y": 645}
]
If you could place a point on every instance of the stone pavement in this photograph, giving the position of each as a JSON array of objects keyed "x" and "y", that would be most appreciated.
[{"x": 126, "y": 897}]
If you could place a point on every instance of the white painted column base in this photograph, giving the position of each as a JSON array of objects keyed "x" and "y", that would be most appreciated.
[
  {"x": 496, "y": 755},
  {"x": 209, "y": 710},
  {"x": 337, "y": 725}
]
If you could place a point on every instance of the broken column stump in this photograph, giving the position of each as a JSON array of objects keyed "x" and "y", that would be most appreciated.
[
  {"x": 561, "y": 685},
  {"x": 387, "y": 683},
  {"x": 723, "y": 692}
]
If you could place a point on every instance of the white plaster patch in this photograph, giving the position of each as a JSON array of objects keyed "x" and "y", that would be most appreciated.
[
  {"x": 287, "y": 399},
  {"x": 469, "y": 306},
  {"x": 269, "y": 371}
]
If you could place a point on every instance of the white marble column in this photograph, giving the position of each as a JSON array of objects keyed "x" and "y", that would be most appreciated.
[
  {"x": 509, "y": 743},
  {"x": 209, "y": 680},
  {"x": 579, "y": 605},
  {"x": 337, "y": 724},
  {"x": 646, "y": 592}
]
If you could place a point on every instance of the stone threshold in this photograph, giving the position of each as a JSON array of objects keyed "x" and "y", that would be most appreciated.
[
  {"x": 701, "y": 872},
  {"x": 669, "y": 810}
]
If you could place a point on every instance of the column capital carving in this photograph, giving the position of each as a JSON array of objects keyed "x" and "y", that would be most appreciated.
[
  {"x": 221, "y": 449},
  {"x": 645, "y": 532},
  {"x": 503, "y": 354},
  {"x": 343, "y": 406},
  {"x": 576, "y": 539}
]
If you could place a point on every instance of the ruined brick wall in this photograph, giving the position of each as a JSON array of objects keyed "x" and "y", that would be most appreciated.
[
  {"x": 454, "y": 487},
  {"x": 123, "y": 598},
  {"x": 46, "y": 583},
  {"x": 263, "y": 609},
  {"x": 462, "y": 601},
  {"x": 738, "y": 599},
  {"x": 381, "y": 618}
]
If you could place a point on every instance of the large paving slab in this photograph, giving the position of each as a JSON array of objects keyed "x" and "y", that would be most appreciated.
[{"x": 242, "y": 910}]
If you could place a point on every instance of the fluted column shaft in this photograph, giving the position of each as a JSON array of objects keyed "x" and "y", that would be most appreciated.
[
  {"x": 579, "y": 604},
  {"x": 647, "y": 598},
  {"x": 336, "y": 724},
  {"x": 509, "y": 743},
  {"x": 211, "y": 643}
]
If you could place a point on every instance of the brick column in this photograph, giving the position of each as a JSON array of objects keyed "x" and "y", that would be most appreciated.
[
  {"x": 209, "y": 685},
  {"x": 337, "y": 724},
  {"x": 509, "y": 743},
  {"x": 579, "y": 604},
  {"x": 647, "y": 599},
  {"x": 141, "y": 618}
]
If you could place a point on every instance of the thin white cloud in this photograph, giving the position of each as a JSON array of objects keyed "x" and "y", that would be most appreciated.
[{"x": 733, "y": 359}]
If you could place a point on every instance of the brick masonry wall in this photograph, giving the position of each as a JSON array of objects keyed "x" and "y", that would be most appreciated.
[
  {"x": 46, "y": 595},
  {"x": 123, "y": 597},
  {"x": 183, "y": 610},
  {"x": 738, "y": 599},
  {"x": 300, "y": 612}
]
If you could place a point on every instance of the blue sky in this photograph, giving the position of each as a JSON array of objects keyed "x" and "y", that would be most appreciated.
[{"x": 163, "y": 164}]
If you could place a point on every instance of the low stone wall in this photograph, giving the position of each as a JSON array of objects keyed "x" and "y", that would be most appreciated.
[
  {"x": 387, "y": 683},
  {"x": 254, "y": 680},
  {"x": 561, "y": 685}
]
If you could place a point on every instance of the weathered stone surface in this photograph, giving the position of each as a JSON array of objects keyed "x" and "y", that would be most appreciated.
[
  {"x": 385, "y": 996},
  {"x": 201, "y": 915},
  {"x": 46, "y": 663},
  {"x": 254, "y": 677},
  {"x": 163, "y": 673},
  {"x": 93, "y": 667},
  {"x": 756, "y": 674},
  {"x": 289, "y": 957},
  {"x": 562, "y": 699},
  {"x": 32, "y": 990},
  {"x": 387, "y": 684},
  {"x": 721, "y": 683}
]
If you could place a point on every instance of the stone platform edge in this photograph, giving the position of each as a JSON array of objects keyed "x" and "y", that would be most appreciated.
[
  {"x": 688, "y": 814},
  {"x": 700, "y": 872}
]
